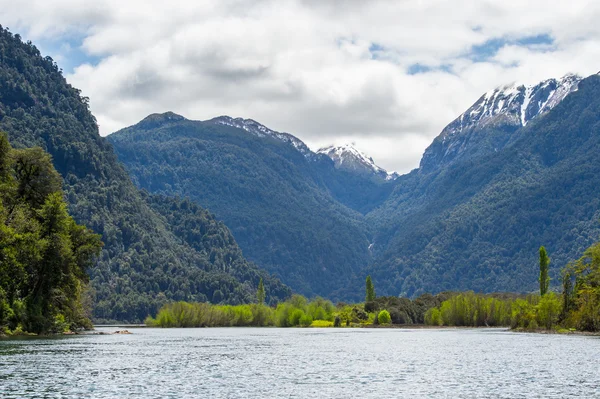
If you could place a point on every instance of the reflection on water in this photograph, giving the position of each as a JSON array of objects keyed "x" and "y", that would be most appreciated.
[{"x": 298, "y": 363}]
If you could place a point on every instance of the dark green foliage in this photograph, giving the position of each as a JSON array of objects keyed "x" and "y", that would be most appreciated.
[
  {"x": 567, "y": 293},
  {"x": 156, "y": 249},
  {"x": 44, "y": 254},
  {"x": 370, "y": 290},
  {"x": 337, "y": 322},
  {"x": 272, "y": 198},
  {"x": 544, "y": 266},
  {"x": 406, "y": 311},
  {"x": 260, "y": 292}
]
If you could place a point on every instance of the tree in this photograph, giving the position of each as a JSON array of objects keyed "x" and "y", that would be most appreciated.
[
  {"x": 337, "y": 322},
  {"x": 260, "y": 293},
  {"x": 567, "y": 294},
  {"x": 370, "y": 290},
  {"x": 384, "y": 317},
  {"x": 544, "y": 278},
  {"x": 548, "y": 310}
]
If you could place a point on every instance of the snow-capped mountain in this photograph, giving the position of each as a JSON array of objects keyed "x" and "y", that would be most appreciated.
[
  {"x": 504, "y": 109},
  {"x": 257, "y": 129},
  {"x": 347, "y": 157}
]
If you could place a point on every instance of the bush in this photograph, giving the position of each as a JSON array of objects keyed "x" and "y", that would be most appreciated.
[
  {"x": 384, "y": 317},
  {"x": 433, "y": 317},
  {"x": 337, "y": 322},
  {"x": 548, "y": 310},
  {"x": 305, "y": 320},
  {"x": 370, "y": 307},
  {"x": 295, "y": 316}
]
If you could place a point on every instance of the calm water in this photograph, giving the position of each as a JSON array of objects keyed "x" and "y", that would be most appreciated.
[{"x": 302, "y": 363}]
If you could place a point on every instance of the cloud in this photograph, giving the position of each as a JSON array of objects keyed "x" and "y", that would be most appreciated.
[{"x": 388, "y": 75}]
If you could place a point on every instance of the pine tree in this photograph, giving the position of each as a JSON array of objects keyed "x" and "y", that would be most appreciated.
[
  {"x": 260, "y": 293},
  {"x": 370, "y": 290},
  {"x": 544, "y": 279}
]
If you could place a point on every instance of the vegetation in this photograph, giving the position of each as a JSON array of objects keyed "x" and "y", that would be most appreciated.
[
  {"x": 576, "y": 308},
  {"x": 44, "y": 254},
  {"x": 265, "y": 191},
  {"x": 544, "y": 266},
  {"x": 296, "y": 312},
  {"x": 157, "y": 249},
  {"x": 293, "y": 313},
  {"x": 478, "y": 224},
  {"x": 383, "y": 317},
  {"x": 370, "y": 290},
  {"x": 583, "y": 301}
]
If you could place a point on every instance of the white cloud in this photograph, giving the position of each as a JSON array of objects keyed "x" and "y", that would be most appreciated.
[{"x": 324, "y": 71}]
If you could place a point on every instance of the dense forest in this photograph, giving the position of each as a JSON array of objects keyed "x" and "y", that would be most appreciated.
[
  {"x": 477, "y": 224},
  {"x": 149, "y": 257},
  {"x": 44, "y": 254},
  {"x": 263, "y": 189}
]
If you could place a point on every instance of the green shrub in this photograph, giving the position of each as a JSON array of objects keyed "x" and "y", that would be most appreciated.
[{"x": 384, "y": 317}]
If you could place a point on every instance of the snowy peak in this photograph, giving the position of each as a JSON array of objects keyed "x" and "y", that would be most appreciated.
[
  {"x": 515, "y": 104},
  {"x": 489, "y": 123},
  {"x": 257, "y": 129},
  {"x": 347, "y": 157}
]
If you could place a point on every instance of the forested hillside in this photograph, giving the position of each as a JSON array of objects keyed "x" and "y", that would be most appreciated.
[
  {"x": 477, "y": 224},
  {"x": 146, "y": 259},
  {"x": 264, "y": 189}
]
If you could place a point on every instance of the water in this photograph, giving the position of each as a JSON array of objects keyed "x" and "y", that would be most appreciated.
[{"x": 302, "y": 363}]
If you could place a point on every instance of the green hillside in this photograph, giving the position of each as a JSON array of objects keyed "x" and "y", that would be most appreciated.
[
  {"x": 263, "y": 189},
  {"x": 146, "y": 260}
]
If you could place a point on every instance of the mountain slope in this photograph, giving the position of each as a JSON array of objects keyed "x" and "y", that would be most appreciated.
[
  {"x": 487, "y": 126},
  {"x": 146, "y": 260},
  {"x": 265, "y": 189},
  {"x": 477, "y": 222},
  {"x": 348, "y": 158}
]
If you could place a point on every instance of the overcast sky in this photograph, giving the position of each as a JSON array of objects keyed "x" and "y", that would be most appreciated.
[{"x": 386, "y": 75}]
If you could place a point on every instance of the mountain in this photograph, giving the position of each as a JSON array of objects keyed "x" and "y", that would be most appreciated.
[
  {"x": 487, "y": 126},
  {"x": 475, "y": 220},
  {"x": 361, "y": 188},
  {"x": 273, "y": 197},
  {"x": 347, "y": 157},
  {"x": 472, "y": 216},
  {"x": 156, "y": 249},
  {"x": 259, "y": 130}
]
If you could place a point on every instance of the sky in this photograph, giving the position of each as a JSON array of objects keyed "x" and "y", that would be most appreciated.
[{"x": 384, "y": 75}]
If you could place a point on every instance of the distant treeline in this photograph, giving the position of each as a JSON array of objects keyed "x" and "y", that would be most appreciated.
[
  {"x": 298, "y": 311},
  {"x": 577, "y": 307}
]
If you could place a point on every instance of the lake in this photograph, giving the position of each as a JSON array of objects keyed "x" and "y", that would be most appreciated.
[{"x": 302, "y": 363}]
